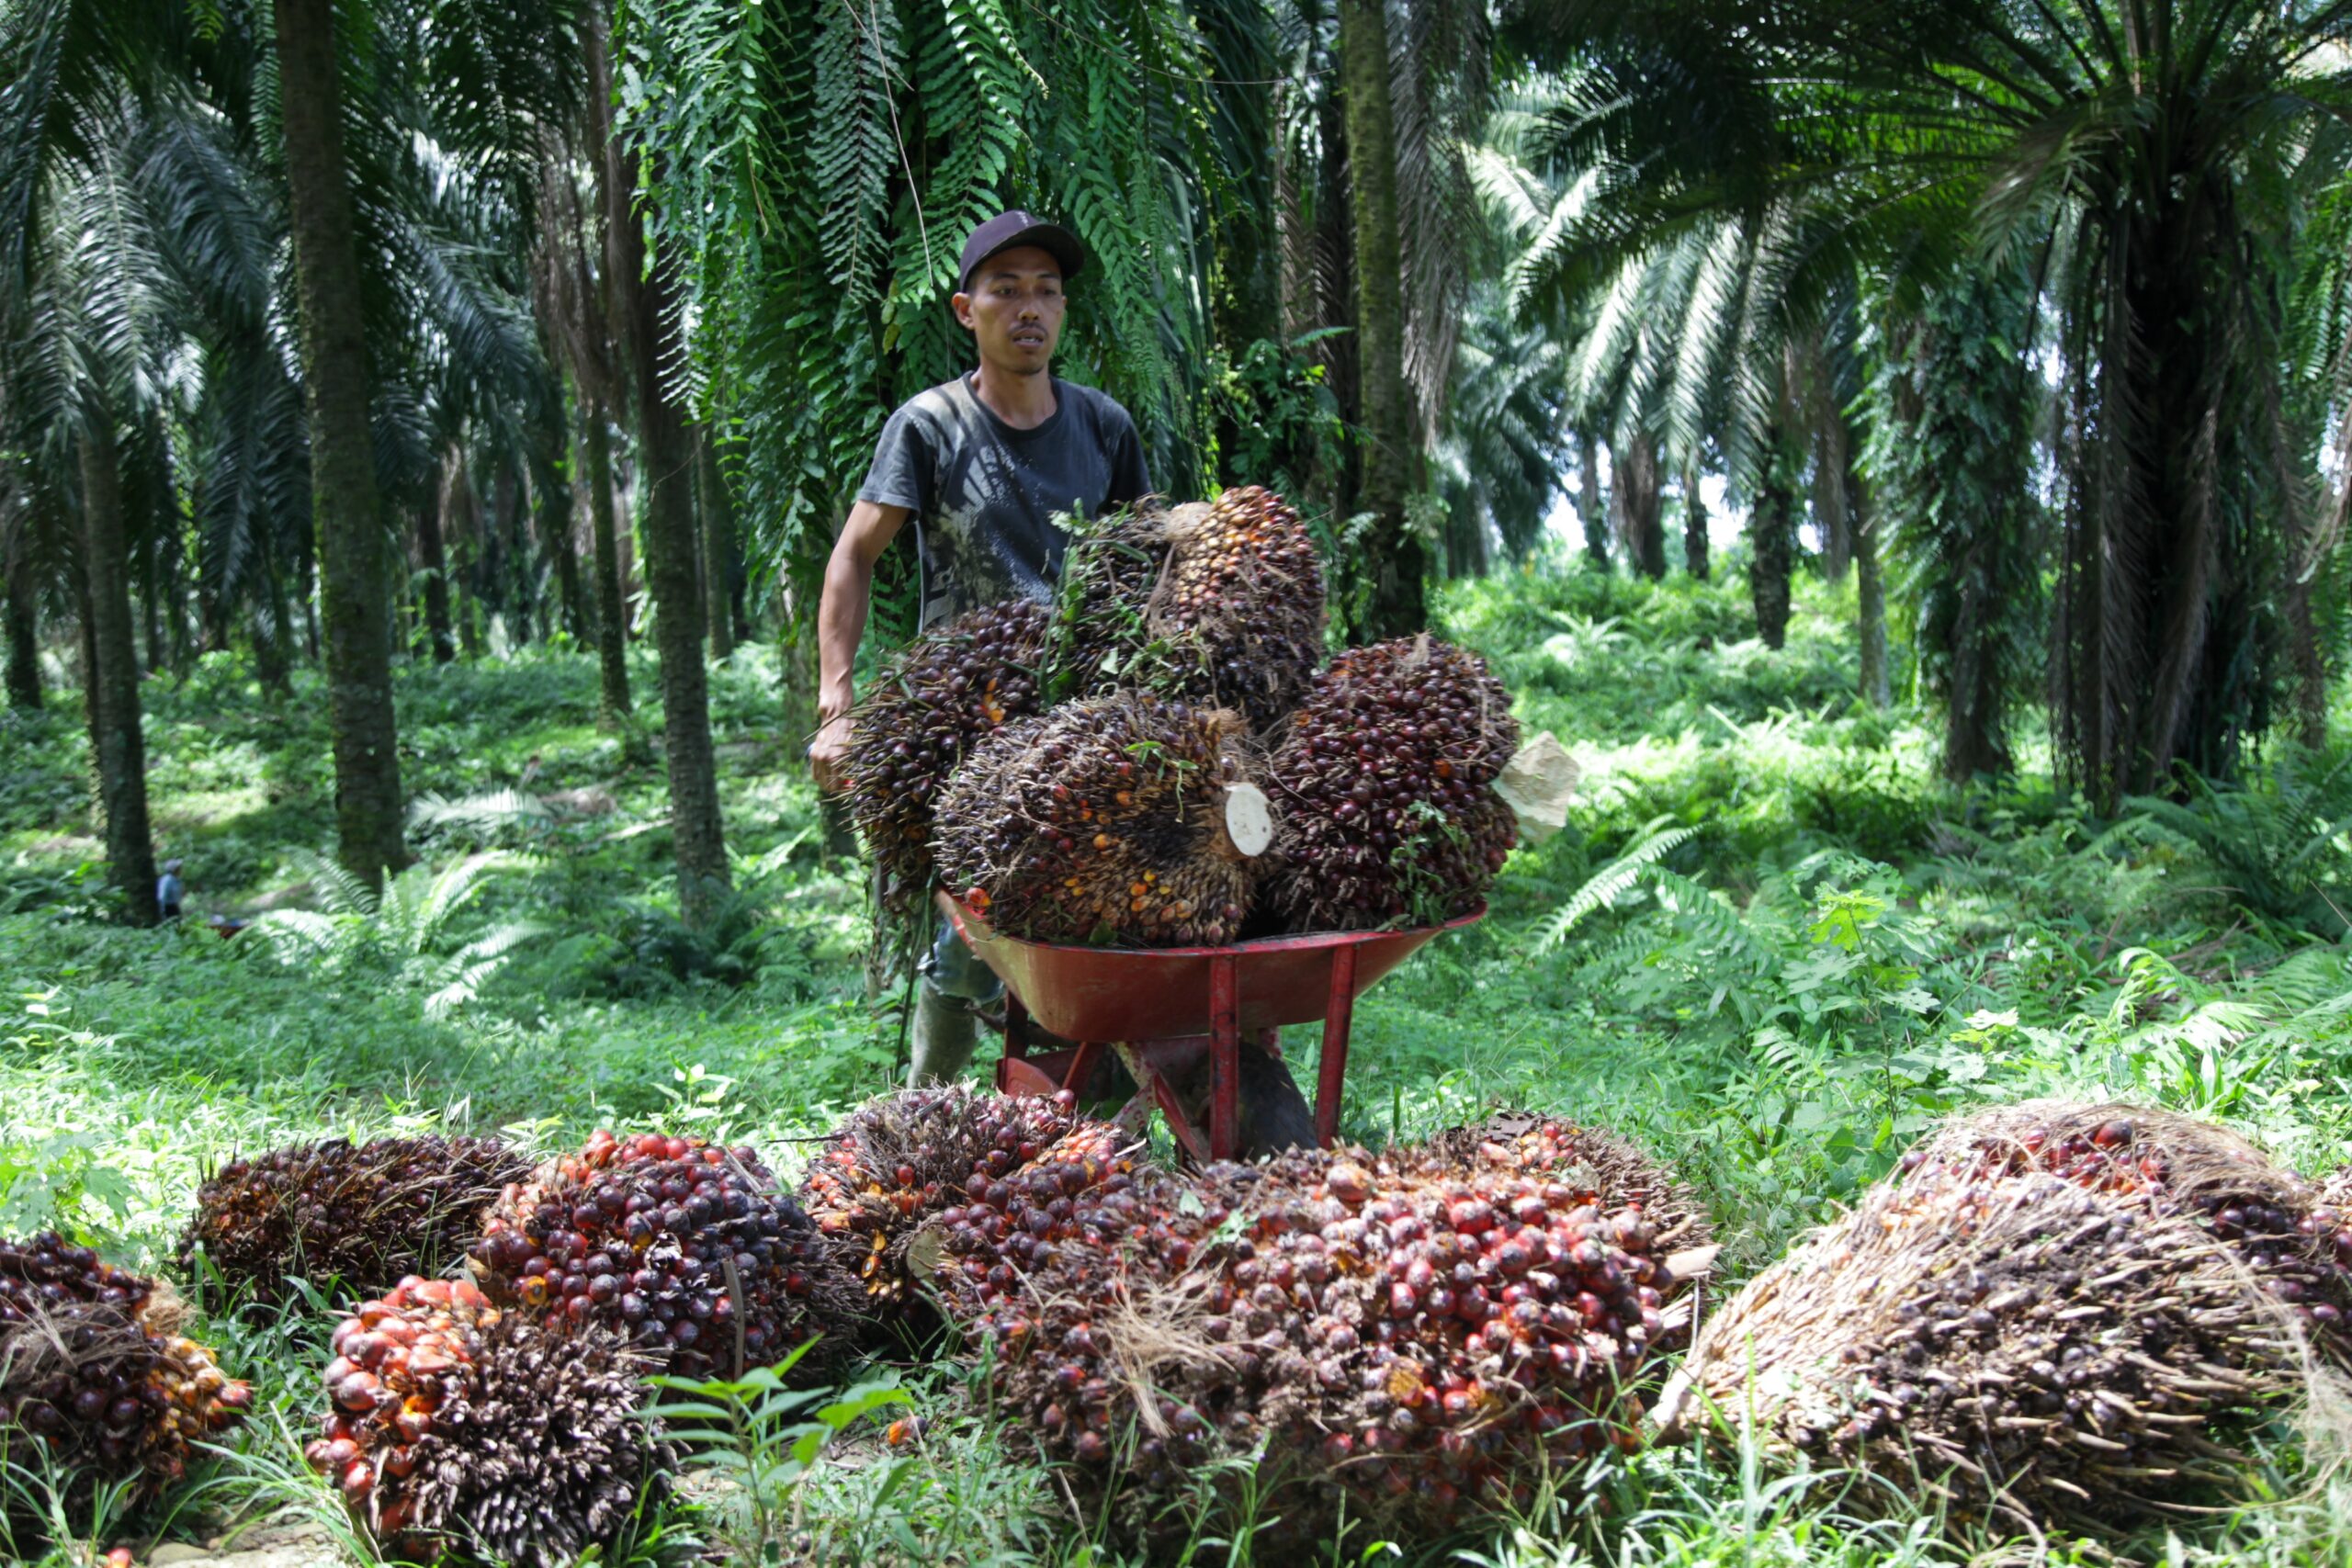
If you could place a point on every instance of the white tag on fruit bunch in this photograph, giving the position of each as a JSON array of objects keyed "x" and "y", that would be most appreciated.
[{"x": 1536, "y": 785}]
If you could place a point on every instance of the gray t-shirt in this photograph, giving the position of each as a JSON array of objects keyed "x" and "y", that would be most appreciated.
[{"x": 984, "y": 494}]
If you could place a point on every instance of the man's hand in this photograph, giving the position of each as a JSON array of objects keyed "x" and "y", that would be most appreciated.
[{"x": 830, "y": 751}]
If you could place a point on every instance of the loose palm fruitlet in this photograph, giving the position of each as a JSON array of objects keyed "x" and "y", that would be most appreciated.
[
  {"x": 951, "y": 688},
  {"x": 901, "y": 1158},
  {"x": 1117, "y": 820},
  {"x": 2021, "y": 1348},
  {"x": 1219, "y": 604},
  {"x": 455, "y": 1430},
  {"x": 97, "y": 1381},
  {"x": 2297, "y": 1244},
  {"x": 687, "y": 1249},
  {"x": 366, "y": 1214},
  {"x": 1404, "y": 1344},
  {"x": 1383, "y": 790}
]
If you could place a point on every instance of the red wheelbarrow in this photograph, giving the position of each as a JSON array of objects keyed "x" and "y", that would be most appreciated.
[{"x": 1156, "y": 1005}]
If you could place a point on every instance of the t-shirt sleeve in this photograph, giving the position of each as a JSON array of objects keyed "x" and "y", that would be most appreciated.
[
  {"x": 1129, "y": 481},
  {"x": 902, "y": 466}
]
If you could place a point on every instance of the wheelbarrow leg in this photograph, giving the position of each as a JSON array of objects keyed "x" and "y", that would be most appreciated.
[
  {"x": 1224, "y": 1057},
  {"x": 1016, "y": 1026},
  {"x": 1337, "y": 1017},
  {"x": 1081, "y": 1065}
]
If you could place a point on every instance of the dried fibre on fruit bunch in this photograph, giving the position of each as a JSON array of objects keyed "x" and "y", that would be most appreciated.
[
  {"x": 2020, "y": 1348},
  {"x": 688, "y": 1251},
  {"x": 98, "y": 1383},
  {"x": 1405, "y": 1346},
  {"x": 459, "y": 1430},
  {"x": 366, "y": 1214},
  {"x": 944, "y": 692},
  {"x": 901, "y": 1158},
  {"x": 1219, "y": 602},
  {"x": 2298, "y": 1245},
  {"x": 1383, "y": 790},
  {"x": 1104, "y": 821}
]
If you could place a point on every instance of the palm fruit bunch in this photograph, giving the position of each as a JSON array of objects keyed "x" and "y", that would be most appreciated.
[
  {"x": 366, "y": 1214},
  {"x": 1108, "y": 821},
  {"x": 1218, "y": 602},
  {"x": 96, "y": 1376},
  {"x": 901, "y": 1158},
  {"x": 2295, "y": 1242},
  {"x": 1383, "y": 789},
  {"x": 455, "y": 1430},
  {"x": 1573, "y": 1166},
  {"x": 2020, "y": 1349},
  {"x": 949, "y": 689},
  {"x": 688, "y": 1251},
  {"x": 1402, "y": 1343}
]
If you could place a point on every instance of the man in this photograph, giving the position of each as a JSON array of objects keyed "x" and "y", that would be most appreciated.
[
  {"x": 980, "y": 464},
  {"x": 169, "y": 891}
]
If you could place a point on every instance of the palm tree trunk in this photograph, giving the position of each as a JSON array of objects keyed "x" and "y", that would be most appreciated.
[
  {"x": 1871, "y": 587},
  {"x": 1634, "y": 498},
  {"x": 1694, "y": 525},
  {"x": 23, "y": 632},
  {"x": 611, "y": 621},
  {"x": 1772, "y": 527},
  {"x": 646, "y": 318},
  {"x": 1398, "y": 561},
  {"x": 1589, "y": 507},
  {"x": 435, "y": 559},
  {"x": 697, "y": 830},
  {"x": 1832, "y": 500},
  {"x": 347, "y": 513},
  {"x": 116, "y": 736},
  {"x": 551, "y": 514},
  {"x": 717, "y": 545}
]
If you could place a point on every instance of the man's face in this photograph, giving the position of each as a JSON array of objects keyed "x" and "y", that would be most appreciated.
[{"x": 1013, "y": 310}]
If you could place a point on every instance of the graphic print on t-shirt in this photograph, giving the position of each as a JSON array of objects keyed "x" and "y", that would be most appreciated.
[{"x": 984, "y": 494}]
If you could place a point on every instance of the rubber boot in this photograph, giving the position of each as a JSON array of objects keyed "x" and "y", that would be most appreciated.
[{"x": 941, "y": 1040}]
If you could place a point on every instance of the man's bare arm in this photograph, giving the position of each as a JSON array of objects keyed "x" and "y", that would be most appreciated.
[{"x": 841, "y": 624}]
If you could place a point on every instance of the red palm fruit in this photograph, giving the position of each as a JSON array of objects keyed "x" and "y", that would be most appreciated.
[
  {"x": 688, "y": 1251},
  {"x": 1383, "y": 787}
]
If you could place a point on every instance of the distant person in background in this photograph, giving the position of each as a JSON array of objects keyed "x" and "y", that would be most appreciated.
[{"x": 170, "y": 890}]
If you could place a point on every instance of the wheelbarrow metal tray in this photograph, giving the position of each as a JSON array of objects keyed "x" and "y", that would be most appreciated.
[{"x": 1122, "y": 993}]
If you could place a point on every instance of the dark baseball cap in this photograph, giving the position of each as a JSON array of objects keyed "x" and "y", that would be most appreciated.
[{"x": 1007, "y": 230}]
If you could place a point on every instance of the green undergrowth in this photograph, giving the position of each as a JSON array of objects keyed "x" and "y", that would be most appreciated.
[{"x": 1768, "y": 942}]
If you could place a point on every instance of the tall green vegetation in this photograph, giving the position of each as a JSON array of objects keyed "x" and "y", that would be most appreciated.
[{"x": 1959, "y": 407}]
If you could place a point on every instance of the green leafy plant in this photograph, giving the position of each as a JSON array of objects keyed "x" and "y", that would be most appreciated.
[{"x": 768, "y": 1437}]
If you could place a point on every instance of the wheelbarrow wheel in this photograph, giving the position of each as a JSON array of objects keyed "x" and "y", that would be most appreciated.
[{"x": 1274, "y": 1115}]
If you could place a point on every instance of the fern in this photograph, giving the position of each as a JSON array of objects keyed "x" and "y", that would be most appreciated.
[{"x": 1605, "y": 886}]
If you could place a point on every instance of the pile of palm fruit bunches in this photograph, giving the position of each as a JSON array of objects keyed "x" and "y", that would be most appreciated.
[
  {"x": 1163, "y": 757},
  {"x": 2052, "y": 1315}
]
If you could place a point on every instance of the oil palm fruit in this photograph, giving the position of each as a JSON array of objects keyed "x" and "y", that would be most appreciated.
[
  {"x": 1400, "y": 1343},
  {"x": 901, "y": 1159},
  {"x": 2023, "y": 1348},
  {"x": 1124, "y": 820},
  {"x": 1219, "y": 604},
  {"x": 2282, "y": 1227},
  {"x": 951, "y": 688},
  {"x": 1383, "y": 790},
  {"x": 687, "y": 1249},
  {"x": 366, "y": 1214},
  {"x": 98, "y": 1383},
  {"x": 458, "y": 1431}
]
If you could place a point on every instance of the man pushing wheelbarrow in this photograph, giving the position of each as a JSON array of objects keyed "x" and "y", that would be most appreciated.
[{"x": 981, "y": 465}]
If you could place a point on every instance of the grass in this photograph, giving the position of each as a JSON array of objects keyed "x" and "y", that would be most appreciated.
[{"x": 1841, "y": 951}]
